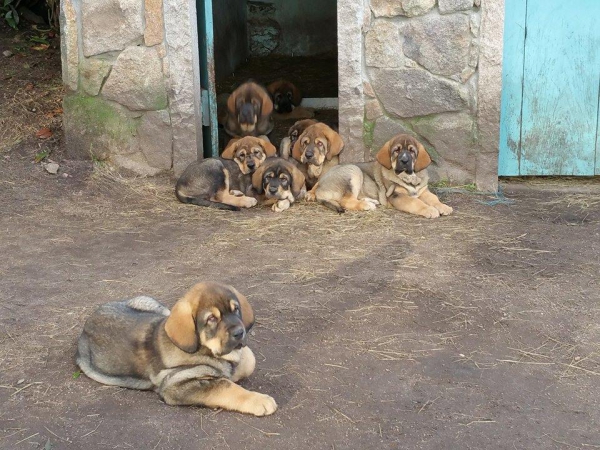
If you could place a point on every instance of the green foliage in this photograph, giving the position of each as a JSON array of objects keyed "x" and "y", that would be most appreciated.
[{"x": 8, "y": 10}]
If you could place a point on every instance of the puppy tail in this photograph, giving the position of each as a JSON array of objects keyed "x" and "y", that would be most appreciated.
[
  {"x": 198, "y": 201},
  {"x": 333, "y": 205}
]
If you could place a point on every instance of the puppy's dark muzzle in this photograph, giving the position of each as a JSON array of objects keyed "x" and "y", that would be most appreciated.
[
  {"x": 285, "y": 106},
  {"x": 273, "y": 190},
  {"x": 247, "y": 114},
  {"x": 251, "y": 165},
  {"x": 404, "y": 163},
  {"x": 309, "y": 155}
]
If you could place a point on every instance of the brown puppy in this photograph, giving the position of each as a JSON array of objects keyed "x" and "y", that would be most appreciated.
[
  {"x": 285, "y": 96},
  {"x": 287, "y": 143},
  {"x": 192, "y": 355},
  {"x": 249, "y": 110},
  {"x": 224, "y": 182},
  {"x": 317, "y": 150},
  {"x": 398, "y": 178},
  {"x": 279, "y": 183}
]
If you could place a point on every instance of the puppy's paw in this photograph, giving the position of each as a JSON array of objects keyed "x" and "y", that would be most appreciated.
[
  {"x": 281, "y": 206},
  {"x": 430, "y": 212},
  {"x": 310, "y": 197},
  {"x": 366, "y": 205},
  {"x": 444, "y": 210},
  {"x": 372, "y": 200},
  {"x": 260, "y": 405},
  {"x": 236, "y": 193},
  {"x": 249, "y": 202}
]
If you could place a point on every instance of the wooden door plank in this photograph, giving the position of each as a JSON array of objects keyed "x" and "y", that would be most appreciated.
[
  {"x": 560, "y": 88},
  {"x": 512, "y": 87}
]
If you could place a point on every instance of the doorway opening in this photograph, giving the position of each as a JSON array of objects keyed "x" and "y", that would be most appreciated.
[{"x": 269, "y": 40}]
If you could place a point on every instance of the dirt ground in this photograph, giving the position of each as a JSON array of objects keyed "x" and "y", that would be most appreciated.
[{"x": 374, "y": 330}]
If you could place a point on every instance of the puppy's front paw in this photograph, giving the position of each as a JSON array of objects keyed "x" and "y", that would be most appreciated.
[
  {"x": 368, "y": 205},
  {"x": 260, "y": 405},
  {"x": 310, "y": 197},
  {"x": 249, "y": 202},
  {"x": 281, "y": 205},
  {"x": 444, "y": 210},
  {"x": 236, "y": 193},
  {"x": 430, "y": 212},
  {"x": 372, "y": 200}
]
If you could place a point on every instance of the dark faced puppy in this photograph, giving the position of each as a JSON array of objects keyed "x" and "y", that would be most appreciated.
[
  {"x": 285, "y": 96},
  {"x": 315, "y": 147},
  {"x": 249, "y": 110},
  {"x": 294, "y": 132},
  {"x": 249, "y": 152},
  {"x": 191, "y": 355},
  {"x": 280, "y": 182},
  {"x": 404, "y": 153}
]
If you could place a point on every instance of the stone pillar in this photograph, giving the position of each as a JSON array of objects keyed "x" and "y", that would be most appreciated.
[{"x": 131, "y": 89}]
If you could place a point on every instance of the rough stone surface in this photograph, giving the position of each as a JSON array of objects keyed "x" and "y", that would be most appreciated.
[
  {"x": 385, "y": 129},
  {"x": 156, "y": 139},
  {"x": 408, "y": 8},
  {"x": 383, "y": 45},
  {"x": 368, "y": 89},
  {"x": 452, "y": 136},
  {"x": 441, "y": 44},
  {"x": 96, "y": 128},
  {"x": 450, "y": 6},
  {"x": 136, "y": 80},
  {"x": 489, "y": 92},
  {"x": 93, "y": 72},
  {"x": 69, "y": 44},
  {"x": 373, "y": 109},
  {"x": 110, "y": 25},
  {"x": 154, "y": 32},
  {"x": 183, "y": 78},
  {"x": 135, "y": 162},
  {"x": 350, "y": 63},
  {"x": 415, "y": 92}
]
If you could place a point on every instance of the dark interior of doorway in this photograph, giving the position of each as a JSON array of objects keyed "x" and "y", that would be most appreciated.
[{"x": 272, "y": 39}]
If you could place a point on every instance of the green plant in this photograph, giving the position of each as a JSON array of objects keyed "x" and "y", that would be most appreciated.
[{"x": 10, "y": 13}]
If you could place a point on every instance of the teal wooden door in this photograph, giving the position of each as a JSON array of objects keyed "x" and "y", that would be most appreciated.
[{"x": 550, "y": 88}]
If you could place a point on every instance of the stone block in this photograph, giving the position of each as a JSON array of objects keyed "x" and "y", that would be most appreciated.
[
  {"x": 136, "y": 80},
  {"x": 136, "y": 163},
  {"x": 415, "y": 92},
  {"x": 383, "y": 45},
  {"x": 385, "y": 129},
  {"x": 154, "y": 32},
  {"x": 93, "y": 73},
  {"x": 69, "y": 44},
  {"x": 110, "y": 25},
  {"x": 373, "y": 109},
  {"x": 156, "y": 139},
  {"x": 450, "y": 6},
  {"x": 407, "y": 8},
  {"x": 440, "y": 44}
]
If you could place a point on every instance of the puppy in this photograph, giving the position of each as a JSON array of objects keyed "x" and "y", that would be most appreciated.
[
  {"x": 287, "y": 143},
  {"x": 285, "y": 96},
  {"x": 249, "y": 110},
  {"x": 279, "y": 182},
  {"x": 224, "y": 182},
  {"x": 397, "y": 178},
  {"x": 317, "y": 150},
  {"x": 192, "y": 355}
]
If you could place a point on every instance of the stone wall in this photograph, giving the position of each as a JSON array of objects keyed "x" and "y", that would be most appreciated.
[
  {"x": 422, "y": 71},
  {"x": 130, "y": 70}
]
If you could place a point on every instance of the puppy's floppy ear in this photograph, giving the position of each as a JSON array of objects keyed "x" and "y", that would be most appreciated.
[
  {"x": 181, "y": 326},
  {"x": 423, "y": 158},
  {"x": 384, "y": 156},
  {"x": 231, "y": 148},
  {"x": 298, "y": 181},
  {"x": 245, "y": 309},
  {"x": 296, "y": 95},
  {"x": 296, "y": 150},
  {"x": 267, "y": 104},
  {"x": 268, "y": 148},
  {"x": 231, "y": 102},
  {"x": 336, "y": 144},
  {"x": 257, "y": 179}
]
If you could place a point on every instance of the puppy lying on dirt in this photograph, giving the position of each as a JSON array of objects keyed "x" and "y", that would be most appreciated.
[
  {"x": 192, "y": 355},
  {"x": 224, "y": 182},
  {"x": 279, "y": 183}
]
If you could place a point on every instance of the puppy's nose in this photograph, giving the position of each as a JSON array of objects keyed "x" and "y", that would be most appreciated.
[
  {"x": 273, "y": 189},
  {"x": 238, "y": 333},
  {"x": 251, "y": 164},
  {"x": 404, "y": 158},
  {"x": 309, "y": 154}
]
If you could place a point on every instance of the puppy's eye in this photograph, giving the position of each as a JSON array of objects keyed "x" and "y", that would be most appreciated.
[
  {"x": 269, "y": 176},
  {"x": 211, "y": 319},
  {"x": 294, "y": 133},
  {"x": 289, "y": 95},
  {"x": 319, "y": 144},
  {"x": 236, "y": 309},
  {"x": 277, "y": 97}
]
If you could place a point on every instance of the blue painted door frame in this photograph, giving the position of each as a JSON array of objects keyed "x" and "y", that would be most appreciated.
[
  {"x": 550, "y": 88},
  {"x": 210, "y": 132}
]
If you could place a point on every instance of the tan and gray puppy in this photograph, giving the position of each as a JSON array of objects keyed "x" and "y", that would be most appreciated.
[
  {"x": 249, "y": 110},
  {"x": 279, "y": 183},
  {"x": 317, "y": 150},
  {"x": 397, "y": 178},
  {"x": 286, "y": 96},
  {"x": 287, "y": 143},
  {"x": 192, "y": 355},
  {"x": 224, "y": 183}
]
